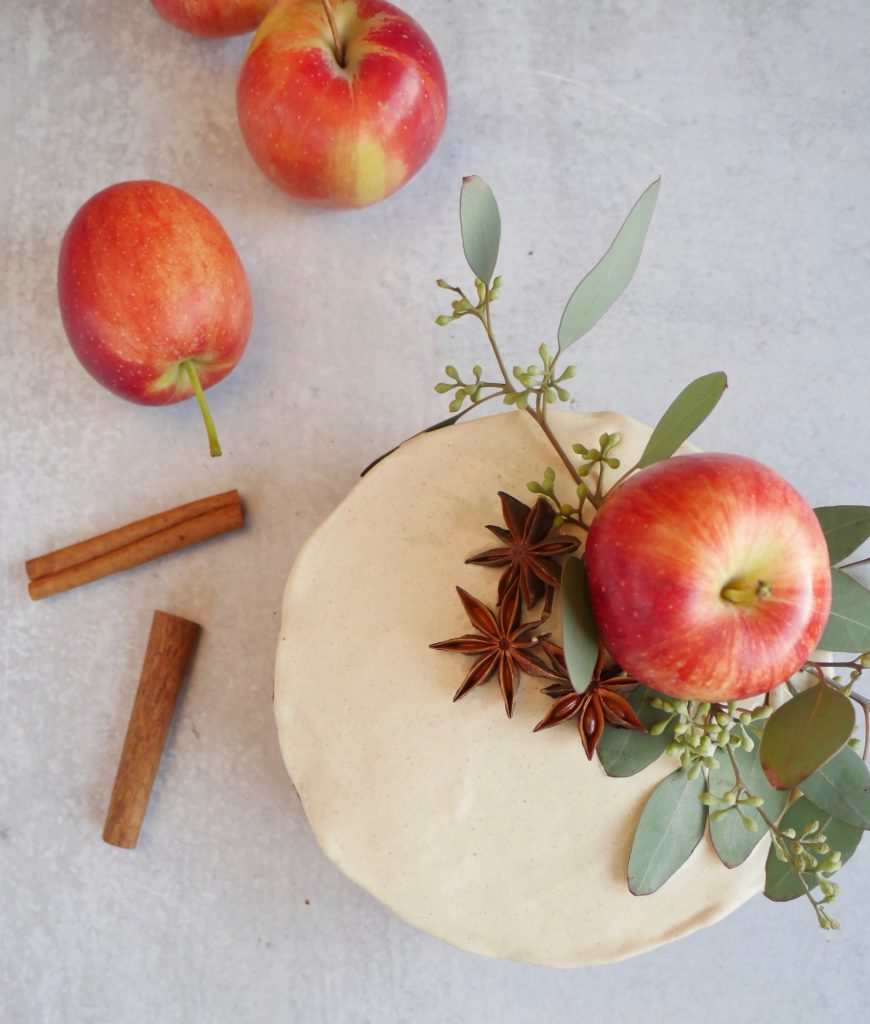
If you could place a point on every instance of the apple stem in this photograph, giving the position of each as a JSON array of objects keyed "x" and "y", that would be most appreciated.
[
  {"x": 336, "y": 35},
  {"x": 747, "y": 594},
  {"x": 214, "y": 446}
]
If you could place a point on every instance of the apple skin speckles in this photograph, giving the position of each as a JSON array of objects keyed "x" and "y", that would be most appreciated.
[
  {"x": 148, "y": 278},
  {"x": 666, "y": 544},
  {"x": 334, "y": 136}
]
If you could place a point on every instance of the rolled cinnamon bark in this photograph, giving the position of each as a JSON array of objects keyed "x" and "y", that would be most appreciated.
[
  {"x": 170, "y": 646},
  {"x": 112, "y": 540},
  {"x": 153, "y": 545}
]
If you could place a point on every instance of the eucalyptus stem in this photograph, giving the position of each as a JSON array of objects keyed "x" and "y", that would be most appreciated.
[
  {"x": 487, "y": 326},
  {"x": 336, "y": 35},
  {"x": 541, "y": 420},
  {"x": 538, "y": 415}
]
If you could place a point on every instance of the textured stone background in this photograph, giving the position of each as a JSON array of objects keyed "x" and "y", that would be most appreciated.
[{"x": 757, "y": 263}]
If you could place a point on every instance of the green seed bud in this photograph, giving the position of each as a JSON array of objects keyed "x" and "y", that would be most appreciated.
[
  {"x": 550, "y": 475},
  {"x": 443, "y": 284},
  {"x": 534, "y": 487},
  {"x": 572, "y": 371},
  {"x": 582, "y": 492},
  {"x": 452, "y": 372},
  {"x": 564, "y": 395},
  {"x": 443, "y": 321},
  {"x": 719, "y": 815},
  {"x": 657, "y": 728},
  {"x": 754, "y": 801},
  {"x": 749, "y": 823},
  {"x": 442, "y": 388},
  {"x": 864, "y": 660},
  {"x": 477, "y": 371}
]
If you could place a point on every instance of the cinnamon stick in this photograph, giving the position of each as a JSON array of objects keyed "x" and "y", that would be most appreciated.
[
  {"x": 85, "y": 550},
  {"x": 170, "y": 645},
  {"x": 145, "y": 548}
]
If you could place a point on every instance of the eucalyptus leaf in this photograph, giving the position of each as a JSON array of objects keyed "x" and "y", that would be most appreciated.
[
  {"x": 845, "y": 527},
  {"x": 579, "y": 635},
  {"x": 624, "y": 752},
  {"x": 848, "y": 627},
  {"x": 481, "y": 226},
  {"x": 782, "y": 882},
  {"x": 610, "y": 276},
  {"x": 670, "y": 827},
  {"x": 842, "y": 788},
  {"x": 683, "y": 417},
  {"x": 804, "y": 734},
  {"x": 731, "y": 839}
]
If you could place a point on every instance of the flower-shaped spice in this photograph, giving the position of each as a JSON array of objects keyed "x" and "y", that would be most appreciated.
[
  {"x": 528, "y": 553},
  {"x": 503, "y": 643},
  {"x": 602, "y": 701}
]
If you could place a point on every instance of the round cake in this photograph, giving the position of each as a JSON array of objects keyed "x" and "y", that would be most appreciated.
[{"x": 457, "y": 818}]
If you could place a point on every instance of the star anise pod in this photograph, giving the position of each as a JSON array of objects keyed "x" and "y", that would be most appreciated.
[
  {"x": 503, "y": 643},
  {"x": 528, "y": 551},
  {"x": 602, "y": 701}
]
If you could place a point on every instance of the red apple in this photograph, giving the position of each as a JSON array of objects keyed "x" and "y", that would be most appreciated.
[
  {"x": 341, "y": 129},
  {"x": 213, "y": 18},
  {"x": 153, "y": 296},
  {"x": 708, "y": 577}
]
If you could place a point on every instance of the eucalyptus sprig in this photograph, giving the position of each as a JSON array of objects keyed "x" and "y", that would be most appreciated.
[{"x": 533, "y": 388}]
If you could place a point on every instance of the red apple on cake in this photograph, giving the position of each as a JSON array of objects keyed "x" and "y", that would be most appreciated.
[
  {"x": 341, "y": 118},
  {"x": 214, "y": 18},
  {"x": 153, "y": 295},
  {"x": 709, "y": 577}
]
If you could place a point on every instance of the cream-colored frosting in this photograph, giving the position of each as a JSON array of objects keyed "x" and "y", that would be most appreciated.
[{"x": 458, "y": 819}]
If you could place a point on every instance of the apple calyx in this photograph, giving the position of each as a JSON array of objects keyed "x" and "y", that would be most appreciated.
[
  {"x": 340, "y": 56},
  {"x": 214, "y": 445},
  {"x": 747, "y": 593}
]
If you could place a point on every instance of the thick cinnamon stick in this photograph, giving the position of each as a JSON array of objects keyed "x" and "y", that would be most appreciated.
[
  {"x": 154, "y": 545},
  {"x": 170, "y": 646},
  {"x": 94, "y": 547}
]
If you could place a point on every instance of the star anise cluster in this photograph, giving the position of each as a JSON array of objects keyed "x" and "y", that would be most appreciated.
[{"x": 506, "y": 646}]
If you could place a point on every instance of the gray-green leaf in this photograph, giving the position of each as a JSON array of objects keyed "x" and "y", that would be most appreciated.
[
  {"x": 624, "y": 752},
  {"x": 842, "y": 788},
  {"x": 579, "y": 635},
  {"x": 805, "y": 733},
  {"x": 845, "y": 527},
  {"x": 670, "y": 827},
  {"x": 481, "y": 226},
  {"x": 731, "y": 840},
  {"x": 683, "y": 417},
  {"x": 610, "y": 276},
  {"x": 848, "y": 627},
  {"x": 782, "y": 882}
]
